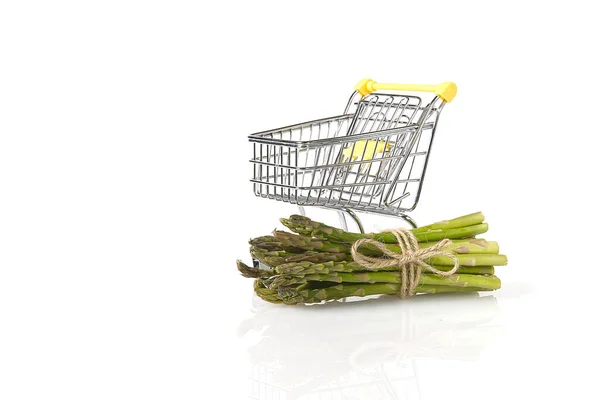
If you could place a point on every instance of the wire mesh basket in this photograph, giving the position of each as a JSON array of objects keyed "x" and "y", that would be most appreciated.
[{"x": 372, "y": 158}]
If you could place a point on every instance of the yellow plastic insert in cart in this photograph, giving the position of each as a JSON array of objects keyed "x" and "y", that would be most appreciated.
[
  {"x": 365, "y": 149},
  {"x": 371, "y": 158}
]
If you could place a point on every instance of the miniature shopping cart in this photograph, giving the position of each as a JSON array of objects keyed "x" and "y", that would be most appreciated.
[{"x": 372, "y": 158}]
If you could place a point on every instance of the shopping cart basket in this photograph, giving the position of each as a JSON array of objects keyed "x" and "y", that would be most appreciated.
[{"x": 372, "y": 158}]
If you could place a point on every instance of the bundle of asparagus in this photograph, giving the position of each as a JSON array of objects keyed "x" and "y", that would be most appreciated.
[{"x": 315, "y": 263}]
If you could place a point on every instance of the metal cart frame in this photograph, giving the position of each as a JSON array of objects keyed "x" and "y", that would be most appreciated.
[{"x": 372, "y": 158}]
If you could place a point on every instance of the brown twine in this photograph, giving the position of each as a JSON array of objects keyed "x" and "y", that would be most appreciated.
[{"x": 409, "y": 263}]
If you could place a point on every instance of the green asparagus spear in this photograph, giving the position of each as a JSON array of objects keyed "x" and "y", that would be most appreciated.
[
  {"x": 274, "y": 259},
  {"x": 465, "y": 220},
  {"x": 292, "y": 296},
  {"x": 270, "y": 244},
  {"x": 490, "y": 282},
  {"x": 249, "y": 272},
  {"x": 351, "y": 266},
  {"x": 308, "y": 243},
  {"x": 300, "y": 269},
  {"x": 305, "y": 226},
  {"x": 300, "y": 242}
]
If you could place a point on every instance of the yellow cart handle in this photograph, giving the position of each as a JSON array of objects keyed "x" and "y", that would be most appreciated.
[{"x": 446, "y": 91}]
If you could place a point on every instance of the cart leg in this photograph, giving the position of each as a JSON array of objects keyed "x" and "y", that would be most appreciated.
[
  {"x": 408, "y": 219},
  {"x": 343, "y": 223},
  {"x": 344, "y": 226},
  {"x": 354, "y": 217}
]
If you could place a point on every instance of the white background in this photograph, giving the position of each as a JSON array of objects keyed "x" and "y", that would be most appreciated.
[{"x": 124, "y": 198}]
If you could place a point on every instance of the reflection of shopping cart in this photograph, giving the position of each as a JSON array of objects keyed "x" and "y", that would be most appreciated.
[
  {"x": 372, "y": 158},
  {"x": 396, "y": 381}
]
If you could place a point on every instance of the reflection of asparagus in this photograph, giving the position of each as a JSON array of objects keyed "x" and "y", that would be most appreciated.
[
  {"x": 383, "y": 317},
  {"x": 361, "y": 336},
  {"x": 365, "y": 321},
  {"x": 305, "y": 226}
]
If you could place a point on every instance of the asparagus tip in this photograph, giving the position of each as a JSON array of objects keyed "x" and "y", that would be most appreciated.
[{"x": 249, "y": 272}]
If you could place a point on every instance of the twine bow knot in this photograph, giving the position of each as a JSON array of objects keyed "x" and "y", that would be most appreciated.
[{"x": 410, "y": 262}]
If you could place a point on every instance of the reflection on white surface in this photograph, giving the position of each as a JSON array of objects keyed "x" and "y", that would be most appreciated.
[{"x": 367, "y": 349}]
